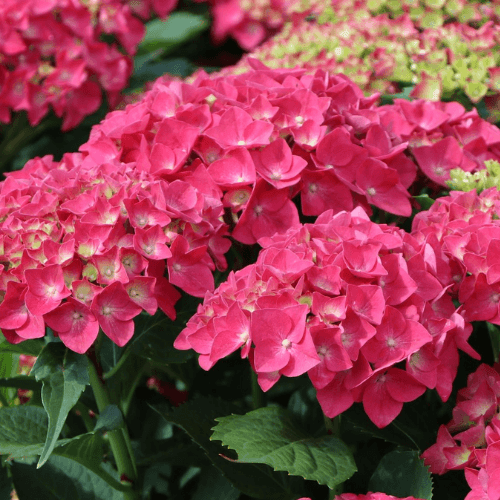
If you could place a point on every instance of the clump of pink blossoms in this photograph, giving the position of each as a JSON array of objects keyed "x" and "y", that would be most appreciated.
[
  {"x": 250, "y": 22},
  {"x": 355, "y": 152},
  {"x": 464, "y": 231},
  {"x": 85, "y": 243},
  {"x": 52, "y": 56},
  {"x": 471, "y": 440},
  {"x": 368, "y": 496},
  {"x": 383, "y": 54},
  {"x": 360, "y": 307}
]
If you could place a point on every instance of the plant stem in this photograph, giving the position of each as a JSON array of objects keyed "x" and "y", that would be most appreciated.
[
  {"x": 84, "y": 414},
  {"x": 118, "y": 439}
]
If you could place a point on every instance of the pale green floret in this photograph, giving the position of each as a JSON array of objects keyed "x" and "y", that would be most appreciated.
[{"x": 484, "y": 179}]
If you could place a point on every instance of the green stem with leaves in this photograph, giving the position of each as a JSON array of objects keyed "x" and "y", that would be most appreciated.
[{"x": 118, "y": 439}]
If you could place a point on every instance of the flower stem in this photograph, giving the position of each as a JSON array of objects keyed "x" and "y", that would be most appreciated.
[{"x": 118, "y": 439}]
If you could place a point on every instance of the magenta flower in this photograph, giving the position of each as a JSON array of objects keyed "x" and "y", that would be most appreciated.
[
  {"x": 281, "y": 341},
  {"x": 237, "y": 128},
  {"x": 75, "y": 324},
  {"x": 344, "y": 300},
  {"x": 46, "y": 289},
  {"x": 114, "y": 311},
  {"x": 384, "y": 393},
  {"x": 188, "y": 268}
]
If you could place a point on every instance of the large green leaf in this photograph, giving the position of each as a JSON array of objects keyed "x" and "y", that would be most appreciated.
[
  {"x": 270, "y": 436},
  {"x": 64, "y": 376},
  {"x": 60, "y": 479},
  {"x": 23, "y": 430},
  {"x": 197, "y": 417},
  {"x": 212, "y": 480},
  {"x": 179, "y": 28},
  {"x": 87, "y": 451},
  {"x": 402, "y": 474}
]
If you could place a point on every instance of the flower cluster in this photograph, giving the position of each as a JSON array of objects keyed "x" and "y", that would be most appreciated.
[
  {"x": 368, "y": 496},
  {"x": 344, "y": 300},
  {"x": 356, "y": 153},
  {"x": 461, "y": 180},
  {"x": 370, "y": 51},
  {"x": 252, "y": 22},
  {"x": 383, "y": 54},
  {"x": 431, "y": 14},
  {"x": 84, "y": 241},
  {"x": 464, "y": 231},
  {"x": 52, "y": 56},
  {"x": 471, "y": 441}
]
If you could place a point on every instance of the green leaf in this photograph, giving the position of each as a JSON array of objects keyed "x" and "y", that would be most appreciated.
[
  {"x": 197, "y": 417},
  {"x": 270, "y": 436},
  {"x": 61, "y": 479},
  {"x": 425, "y": 201},
  {"x": 87, "y": 451},
  {"x": 110, "y": 418},
  {"x": 156, "y": 477},
  {"x": 212, "y": 480},
  {"x": 355, "y": 422},
  {"x": 31, "y": 347},
  {"x": 402, "y": 474},
  {"x": 64, "y": 376},
  {"x": 405, "y": 94},
  {"x": 179, "y": 28},
  {"x": 22, "y": 434},
  {"x": 122, "y": 380},
  {"x": 148, "y": 71},
  {"x": 22, "y": 430},
  {"x": 155, "y": 337},
  {"x": 110, "y": 354}
]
